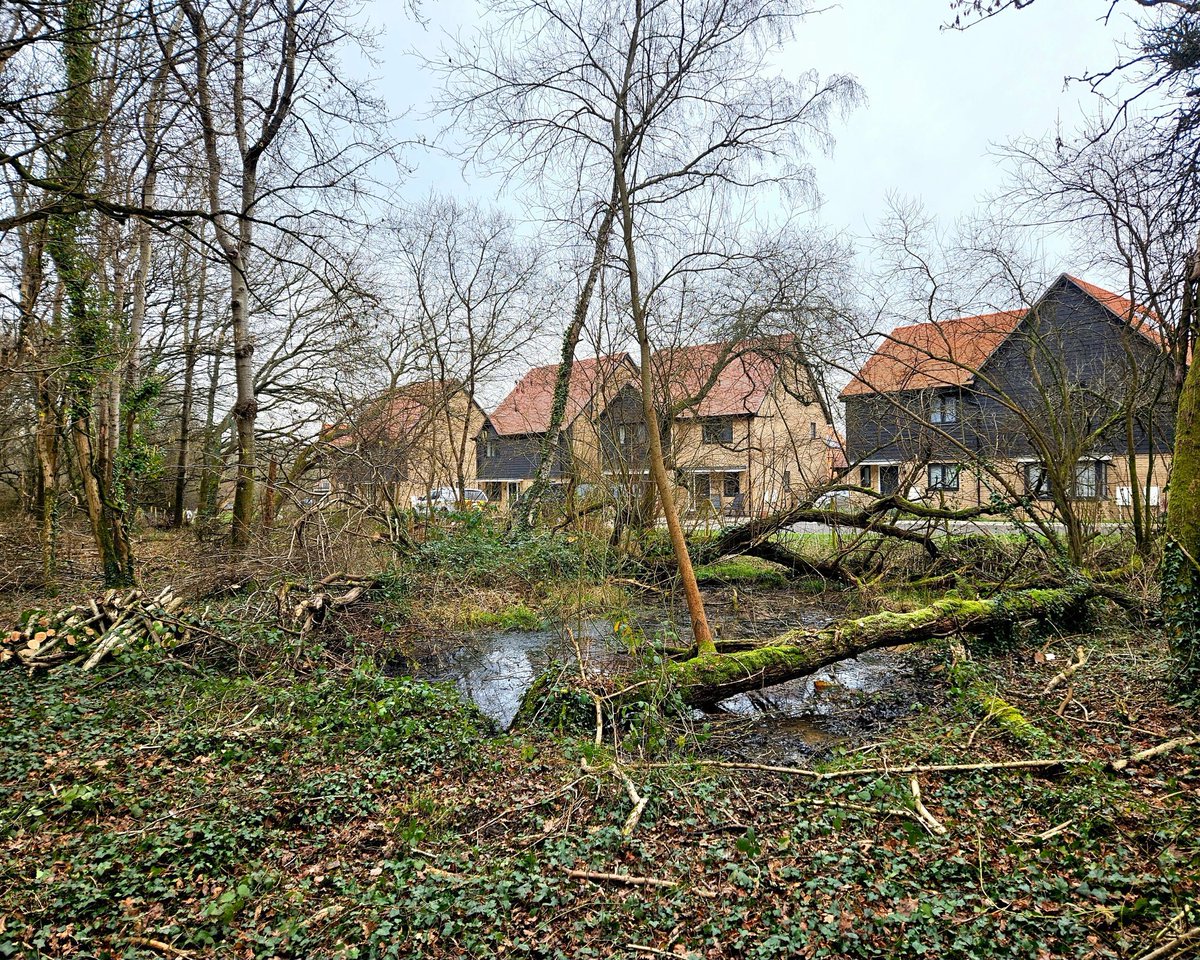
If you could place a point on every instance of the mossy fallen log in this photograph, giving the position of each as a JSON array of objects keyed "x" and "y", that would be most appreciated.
[{"x": 706, "y": 680}]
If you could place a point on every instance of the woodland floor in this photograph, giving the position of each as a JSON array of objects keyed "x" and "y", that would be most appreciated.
[{"x": 322, "y": 809}]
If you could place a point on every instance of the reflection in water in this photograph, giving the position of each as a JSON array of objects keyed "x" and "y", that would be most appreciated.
[
  {"x": 788, "y": 722},
  {"x": 495, "y": 669}
]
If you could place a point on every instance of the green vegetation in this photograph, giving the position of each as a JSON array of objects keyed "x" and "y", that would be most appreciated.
[
  {"x": 515, "y": 617},
  {"x": 351, "y": 815},
  {"x": 741, "y": 570}
]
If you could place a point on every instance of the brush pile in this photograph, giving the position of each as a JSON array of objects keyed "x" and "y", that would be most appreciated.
[{"x": 87, "y": 633}]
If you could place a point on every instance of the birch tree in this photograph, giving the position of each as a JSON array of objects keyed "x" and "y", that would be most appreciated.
[
  {"x": 266, "y": 93},
  {"x": 657, "y": 111}
]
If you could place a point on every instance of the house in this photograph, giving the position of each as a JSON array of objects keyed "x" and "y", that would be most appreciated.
[
  {"x": 748, "y": 432},
  {"x": 1072, "y": 395},
  {"x": 509, "y": 446},
  {"x": 405, "y": 442}
]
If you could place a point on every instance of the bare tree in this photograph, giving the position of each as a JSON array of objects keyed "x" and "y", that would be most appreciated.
[
  {"x": 475, "y": 302},
  {"x": 1108, "y": 192},
  {"x": 649, "y": 102},
  {"x": 263, "y": 87}
]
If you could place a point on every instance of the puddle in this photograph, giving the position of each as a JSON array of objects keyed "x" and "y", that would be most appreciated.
[
  {"x": 792, "y": 722},
  {"x": 788, "y": 723},
  {"x": 494, "y": 670}
]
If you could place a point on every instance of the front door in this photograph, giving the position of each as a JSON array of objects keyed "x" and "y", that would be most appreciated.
[{"x": 889, "y": 480}]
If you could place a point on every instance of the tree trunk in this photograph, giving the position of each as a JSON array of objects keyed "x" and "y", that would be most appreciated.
[
  {"x": 89, "y": 317},
  {"x": 245, "y": 409},
  {"x": 658, "y": 468},
  {"x": 1181, "y": 553},
  {"x": 706, "y": 680},
  {"x": 562, "y": 381}
]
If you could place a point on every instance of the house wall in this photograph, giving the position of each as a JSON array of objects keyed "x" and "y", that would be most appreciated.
[
  {"x": 789, "y": 456},
  {"x": 399, "y": 468},
  {"x": 1005, "y": 479},
  {"x": 1070, "y": 364}
]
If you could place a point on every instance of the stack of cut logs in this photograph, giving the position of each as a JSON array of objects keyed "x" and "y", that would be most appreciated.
[{"x": 89, "y": 632}]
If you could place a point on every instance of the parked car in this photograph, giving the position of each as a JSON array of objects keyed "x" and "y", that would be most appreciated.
[
  {"x": 446, "y": 499},
  {"x": 833, "y": 500}
]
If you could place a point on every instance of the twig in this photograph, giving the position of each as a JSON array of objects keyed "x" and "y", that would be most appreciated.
[
  {"x": 1065, "y": 700},
  {"x": 1048, "y": 834},
  {"x": 1153, "y": 752},
  {"x": 629, "y": 879},
  {"x": 1081, "y": 658},
  {"x": 159, "y": 945},
  {"x": 1172, "y": 946},
  {"x": 633, "y": 881},
  {"x": 639, "y": 804},
  {"x": 641, "y": 948},
  {"x": 927, "y": 818},
  {"x": 871, "y": 771}
]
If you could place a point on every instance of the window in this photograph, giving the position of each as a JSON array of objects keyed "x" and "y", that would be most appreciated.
[
  {"x": 1037, "y": 481},
  {"x": 733, "y": 485},
  {"x": 943, "y": 408},
  {"x": 864, "y": 476},
  {"x": 812, "y": 431},
  {"x": 628, "y": 433},
  {"x": 489, "y": 449},
  {"x": 717, "y": 431},
  {"x": 1089, "y": 480},
  {"x": 700, "y": 484},
  {"x": 943, "y": 476}
]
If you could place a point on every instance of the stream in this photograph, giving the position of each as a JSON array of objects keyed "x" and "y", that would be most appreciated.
[{"x": 786, "y": 723}]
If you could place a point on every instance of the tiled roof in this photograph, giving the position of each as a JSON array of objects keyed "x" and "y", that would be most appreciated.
[
  {"x": 396, "y": 415},
  {"x": 1142, "y": 319},
  {"x": 527, "y": 408},
  {"x": 948, "y": 352},
  {"x": 740, "y": 385},
  {"x": 942, "y": 353}
]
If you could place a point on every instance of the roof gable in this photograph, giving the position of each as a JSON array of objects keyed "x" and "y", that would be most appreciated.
[
  {"x": 527, "y": 407},
  {"x": 948, "y": 353},
  {"x": 730, "y": 379}
]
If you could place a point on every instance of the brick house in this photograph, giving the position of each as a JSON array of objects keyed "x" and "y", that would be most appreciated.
[
  {"x": 509, "y": 442},
  {"x": 405, "y": 442},
  {"x": 748, "y": 431}
]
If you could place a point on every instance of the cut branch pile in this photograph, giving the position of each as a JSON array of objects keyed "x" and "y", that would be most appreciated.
[
  {"x": 89, "y": 632},
  {"x": 333, "y": 593}
]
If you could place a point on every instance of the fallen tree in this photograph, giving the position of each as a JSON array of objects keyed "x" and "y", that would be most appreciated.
[{"x": 705, "y": 680}]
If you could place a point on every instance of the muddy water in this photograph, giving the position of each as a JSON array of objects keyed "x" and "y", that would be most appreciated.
[{"x": 786, "y": 723}]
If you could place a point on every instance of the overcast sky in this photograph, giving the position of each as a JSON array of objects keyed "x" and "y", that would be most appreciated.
[{"x": 937, "y": 100}]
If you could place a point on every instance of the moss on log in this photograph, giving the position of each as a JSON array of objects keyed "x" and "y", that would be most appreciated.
[{"x": 705, "y": 680}]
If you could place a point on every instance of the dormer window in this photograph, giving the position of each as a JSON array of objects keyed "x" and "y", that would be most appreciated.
[{"x": 943, "y": 408}]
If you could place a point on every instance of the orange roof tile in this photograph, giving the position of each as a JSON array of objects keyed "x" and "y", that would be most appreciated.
[
  {"x": 396, "y": 414},
  {"x": 738, "y": 387},
  {"x": 1142, "y": 319},
  {"x": 948, "y": 352},
  {"x": 527, "y": 407},
  {"x": 941, "y": 353}
]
